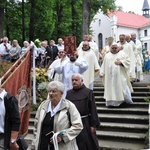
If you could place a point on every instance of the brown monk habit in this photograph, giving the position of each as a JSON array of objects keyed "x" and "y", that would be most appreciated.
[{"x": 84, "y": 100}]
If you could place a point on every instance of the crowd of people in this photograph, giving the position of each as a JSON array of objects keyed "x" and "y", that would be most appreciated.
[{"x": 68, "y": 119}]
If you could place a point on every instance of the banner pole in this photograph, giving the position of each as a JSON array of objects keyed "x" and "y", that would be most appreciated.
[{"x": 34, "y": 77}]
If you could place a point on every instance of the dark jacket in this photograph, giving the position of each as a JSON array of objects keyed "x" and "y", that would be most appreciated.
[
  {"x": 52, "y": 52},
  {"x": 12, "y": 118},
  {"x": 84, "y": 100}
]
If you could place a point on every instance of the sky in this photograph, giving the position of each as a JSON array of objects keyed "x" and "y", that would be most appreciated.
[{"x": 131, "y": 5}]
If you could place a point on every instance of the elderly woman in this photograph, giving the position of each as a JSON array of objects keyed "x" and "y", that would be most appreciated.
[
  {"x": 15, "y": 50},
  {"x": 25, "y": 47},
  {"x": 58, "y": 116}
]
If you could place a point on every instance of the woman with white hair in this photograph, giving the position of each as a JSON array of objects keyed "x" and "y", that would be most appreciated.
[
  {"x": 57, "y": 121},
  {"x": 25, "y": 47},
  {"x": 15, "y": 50}
]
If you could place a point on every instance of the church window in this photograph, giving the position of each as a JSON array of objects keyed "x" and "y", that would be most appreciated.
[{"x": 145, "y": 32}]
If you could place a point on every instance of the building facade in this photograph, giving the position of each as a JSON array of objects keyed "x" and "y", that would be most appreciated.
[{"x": 119, "y": 22}]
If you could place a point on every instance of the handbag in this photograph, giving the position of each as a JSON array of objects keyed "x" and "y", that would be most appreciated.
[{"x": 22, "y": 143}]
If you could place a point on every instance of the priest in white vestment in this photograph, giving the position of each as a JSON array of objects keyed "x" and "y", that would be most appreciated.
[
  {"x": 106, "y": 49},
  {"x": 117, "y": 86},
  {"x": 140, "y": 60},
  {"x": 74, "y": 65},
  {"x": 92, "y": 44},
  {"x": 52, "y": 75},
  {"x": 93, "y": 68},
  {"x": 129, "y": 51}
]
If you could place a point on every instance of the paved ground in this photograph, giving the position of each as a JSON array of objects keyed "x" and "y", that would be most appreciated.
[{"x": 146, "y": 78}]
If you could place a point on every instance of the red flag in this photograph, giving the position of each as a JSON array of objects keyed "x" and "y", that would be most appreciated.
[{"x": 18, "y": 83}]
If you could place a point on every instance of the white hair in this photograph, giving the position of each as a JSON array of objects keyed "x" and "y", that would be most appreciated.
[
  {"x": 79, "y": 75},
  {"x": 25, "y": 42},
  {"x": 15, "y": 41},
  {"x": 52, "y": 41},
  {"x": 56, "y": 84}
]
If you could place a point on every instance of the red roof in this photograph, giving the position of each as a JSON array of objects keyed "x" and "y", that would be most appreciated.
[
  {"x": 146, "y": 24},
  {"x": 130, "y": 20}
]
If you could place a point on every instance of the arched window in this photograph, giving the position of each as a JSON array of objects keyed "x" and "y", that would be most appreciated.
[{"x": 100, "y": 41}]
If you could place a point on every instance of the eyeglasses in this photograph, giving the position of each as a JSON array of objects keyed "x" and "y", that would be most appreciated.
[
  {"x": 114, "y": 48},
  {"x": 53, "y": 92}
]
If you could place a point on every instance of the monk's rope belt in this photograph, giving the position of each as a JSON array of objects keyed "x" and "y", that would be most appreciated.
[{"x": 84, "y": 116}]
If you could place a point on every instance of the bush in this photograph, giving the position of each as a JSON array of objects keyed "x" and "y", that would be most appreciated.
[
  {"x": 4, "y": 67},
  {"x": 41, "y": 87}
]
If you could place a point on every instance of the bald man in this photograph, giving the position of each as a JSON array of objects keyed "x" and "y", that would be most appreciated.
[
  {"x": 84, "y": 100},
  {"x": 87, "y": 53},
  {"x": 92, "y": 45}
]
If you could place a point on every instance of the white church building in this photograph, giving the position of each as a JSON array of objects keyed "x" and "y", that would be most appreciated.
[{"x": 119, "y": 22}]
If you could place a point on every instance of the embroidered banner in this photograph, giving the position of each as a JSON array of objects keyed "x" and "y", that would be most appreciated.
[
  {"x": 70, "y": 44},
  {"x": 18, "y": 83}
]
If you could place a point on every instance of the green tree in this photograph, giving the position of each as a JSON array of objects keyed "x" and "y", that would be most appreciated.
[
  {"x": 13, "y": 20},
  {"x": 51, "y": 19},
  {"x": 42, "y": 21},
  {"x": 90, "y": 8},
  {"x": 2, "y": 7}
]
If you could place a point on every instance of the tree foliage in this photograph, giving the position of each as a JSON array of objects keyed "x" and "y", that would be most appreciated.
[{"x": 50, "y": 19}]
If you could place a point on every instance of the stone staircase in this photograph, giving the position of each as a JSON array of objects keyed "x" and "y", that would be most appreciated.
[{"x": 122, "y": 128}]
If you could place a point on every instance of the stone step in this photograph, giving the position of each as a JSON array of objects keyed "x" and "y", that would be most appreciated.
[
  {"x": 31, "y": 122},
  {"x": 107, "y": 144},
  {"x": 29, "y": 137},
  {"x": 135, "y": 104},
  {"x": 121, "y": 135},
  {"x": 127, "y": 111},
  {"x": 123, "y": 127},
  {"x": 143, "y": 94},
  {"x": 30, "y": 129},
  {"x": 136, "y": 89},
  {"x": 135, "y": 84},
  {"x": 134, "y": 98},
  {"x": 123, "y": 118},
  {"x": 32, "y": 114}
]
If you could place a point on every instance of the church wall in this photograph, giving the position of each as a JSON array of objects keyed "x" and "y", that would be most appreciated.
[
  {"x": 125, "y": 30},
  {"x": 145, "y": 39},
  {"x": 100, "y": 24}
]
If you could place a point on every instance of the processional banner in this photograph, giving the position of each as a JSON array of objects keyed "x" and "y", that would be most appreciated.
[
  {"x": 70, "y": 44},
  {"x": 18, "y": 83}
]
